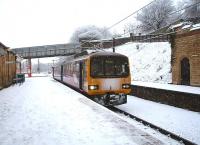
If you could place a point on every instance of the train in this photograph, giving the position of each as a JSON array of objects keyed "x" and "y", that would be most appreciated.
[{"x": 103, "y": 76}]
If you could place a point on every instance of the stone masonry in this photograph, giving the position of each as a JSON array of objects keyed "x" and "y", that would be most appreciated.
[{"x": 186, "y": 46}]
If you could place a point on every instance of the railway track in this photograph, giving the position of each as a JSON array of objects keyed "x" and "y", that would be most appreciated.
[
  {"x": 161, "y": 130},
  {"x": 146, "y": 123}
]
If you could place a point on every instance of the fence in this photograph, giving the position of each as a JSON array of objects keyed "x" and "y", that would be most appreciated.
[{"x": 119, "y": 41}]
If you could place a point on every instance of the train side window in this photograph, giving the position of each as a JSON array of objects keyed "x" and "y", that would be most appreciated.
[
  {"x": 70, "y": 68},
  {"x": 77, "y": 67},
  {"x": 84, "y": 71}
]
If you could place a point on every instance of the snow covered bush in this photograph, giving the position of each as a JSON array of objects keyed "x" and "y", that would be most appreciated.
[{"x": 90, "y": 32}]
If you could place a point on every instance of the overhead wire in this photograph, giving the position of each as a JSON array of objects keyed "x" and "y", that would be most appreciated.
[
  {"x": 113, "y": 25},
  {"x": 171, "y": 13}
]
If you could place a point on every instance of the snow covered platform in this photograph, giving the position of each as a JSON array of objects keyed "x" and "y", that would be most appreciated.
[
  {"x": 45, "y": 112},
  {"x": 172, "y": 87},
  {"x": 186, "y": 97}
]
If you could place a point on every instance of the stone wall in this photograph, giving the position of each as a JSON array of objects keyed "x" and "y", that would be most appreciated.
[
  {"x": 186, "y": 45},
  {"x": 173, "y": 98}
]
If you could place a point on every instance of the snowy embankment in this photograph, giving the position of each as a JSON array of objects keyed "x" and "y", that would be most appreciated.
[
  {"x": 149, "y": 62},
  {"x": 45, "y": 112}
]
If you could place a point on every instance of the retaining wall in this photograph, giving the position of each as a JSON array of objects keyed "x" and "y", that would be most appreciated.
[{"x": 174, "y": 98}]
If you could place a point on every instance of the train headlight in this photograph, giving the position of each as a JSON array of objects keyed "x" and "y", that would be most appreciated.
[
  {"x": 126, "y": 86},
  {"x": 93, "y": 87}
]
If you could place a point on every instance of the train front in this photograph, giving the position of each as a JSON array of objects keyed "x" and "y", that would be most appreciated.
[{"x": 110, "y": 79}]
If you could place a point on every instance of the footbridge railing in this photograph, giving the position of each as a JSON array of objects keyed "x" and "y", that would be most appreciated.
[{"x": 47, "y": 50}]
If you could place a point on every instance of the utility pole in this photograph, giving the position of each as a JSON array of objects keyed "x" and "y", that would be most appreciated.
[
  {"x": 113, "y": 44},
  {"x": 29, "y": 68},
  {"x": 53, "y": 62},
  {"x": 38, "y": 69}
]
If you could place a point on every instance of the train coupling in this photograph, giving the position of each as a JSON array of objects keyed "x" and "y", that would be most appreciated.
[
  {"x": 111, "y": 99},
  {"x": 115, "y": 99}
]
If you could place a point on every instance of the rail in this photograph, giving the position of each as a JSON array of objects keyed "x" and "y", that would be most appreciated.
[{"x": 161, "y": 130}]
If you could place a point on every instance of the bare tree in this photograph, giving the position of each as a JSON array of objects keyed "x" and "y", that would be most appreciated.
[
  {"x": 193, "y": 11},
  {"x": 90, "y": 32},
  {"x": 155, "y": 15},
  {"x": 133, "y": 28}
]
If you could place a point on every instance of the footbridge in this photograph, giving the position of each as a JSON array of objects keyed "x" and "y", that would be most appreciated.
[{"x": 47, "y": 50}]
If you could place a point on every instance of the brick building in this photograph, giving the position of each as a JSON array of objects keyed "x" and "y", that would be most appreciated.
[{"x": 186, "y": 57}]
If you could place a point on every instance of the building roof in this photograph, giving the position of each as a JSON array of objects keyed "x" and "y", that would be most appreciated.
[
  {"x": 180, "y": 22},
  {"x": 3, "y": 46}
]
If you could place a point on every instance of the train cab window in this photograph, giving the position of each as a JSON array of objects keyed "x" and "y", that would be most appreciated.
[
  {"x": 97, "y": 67},
  {"x": 122, "y": 67},
  {"x": 109, "y": 67}
]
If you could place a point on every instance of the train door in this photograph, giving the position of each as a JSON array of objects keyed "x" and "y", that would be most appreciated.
[
  {"x": 84, "y": 75},
  {"x": 81, "y": 75},
  {"x": 61, "y": 73}
]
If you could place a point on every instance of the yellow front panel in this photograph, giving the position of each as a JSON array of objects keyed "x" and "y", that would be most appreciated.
[
  {"x": 106, "y": 85},
  {"x": 109, "y": 85}
]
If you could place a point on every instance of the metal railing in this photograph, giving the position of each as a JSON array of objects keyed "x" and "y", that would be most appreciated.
[{"x": 47, "y": 50}]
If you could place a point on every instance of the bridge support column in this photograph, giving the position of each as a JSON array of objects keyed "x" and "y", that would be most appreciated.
[
  {"x": 29, "y": 68},
  {"x": 20, "y": 67}
]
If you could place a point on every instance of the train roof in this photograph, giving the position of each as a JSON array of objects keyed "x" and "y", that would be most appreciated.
[
  {"x": 106, "y": 53},
  {"x": 91, "y": 53}
]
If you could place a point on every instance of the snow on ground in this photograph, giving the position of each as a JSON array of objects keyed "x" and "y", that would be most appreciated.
[
  {"x": 182, "y": 122},
  {"x": 39, "y": 75},
  {"x": 179, "y": 88},
  {"x": 149, "y": 62},
  {"x": 44, "y": 112}
]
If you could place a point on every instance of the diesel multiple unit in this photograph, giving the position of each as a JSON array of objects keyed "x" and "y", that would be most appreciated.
[{"x": 104, "y": 76}]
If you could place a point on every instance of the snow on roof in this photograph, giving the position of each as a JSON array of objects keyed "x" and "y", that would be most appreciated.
[
  {"x": 176, "y": 26},
  {"x": 101, "y": 40},
  {"x": 93, "y": 51},
  {"x": 186, "y": 26},
  {"x": 195, "y": 27}
]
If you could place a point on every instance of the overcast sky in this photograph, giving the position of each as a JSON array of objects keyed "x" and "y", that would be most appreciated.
[{"x": 42, "y": 22}]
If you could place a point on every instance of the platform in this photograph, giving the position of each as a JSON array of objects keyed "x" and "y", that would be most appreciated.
[
  {"x": 172, "y": 87},
  {"x": 44, "y": 112}
]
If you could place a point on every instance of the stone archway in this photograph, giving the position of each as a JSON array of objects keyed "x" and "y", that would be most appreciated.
[{"x": 185, "y": 71}]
